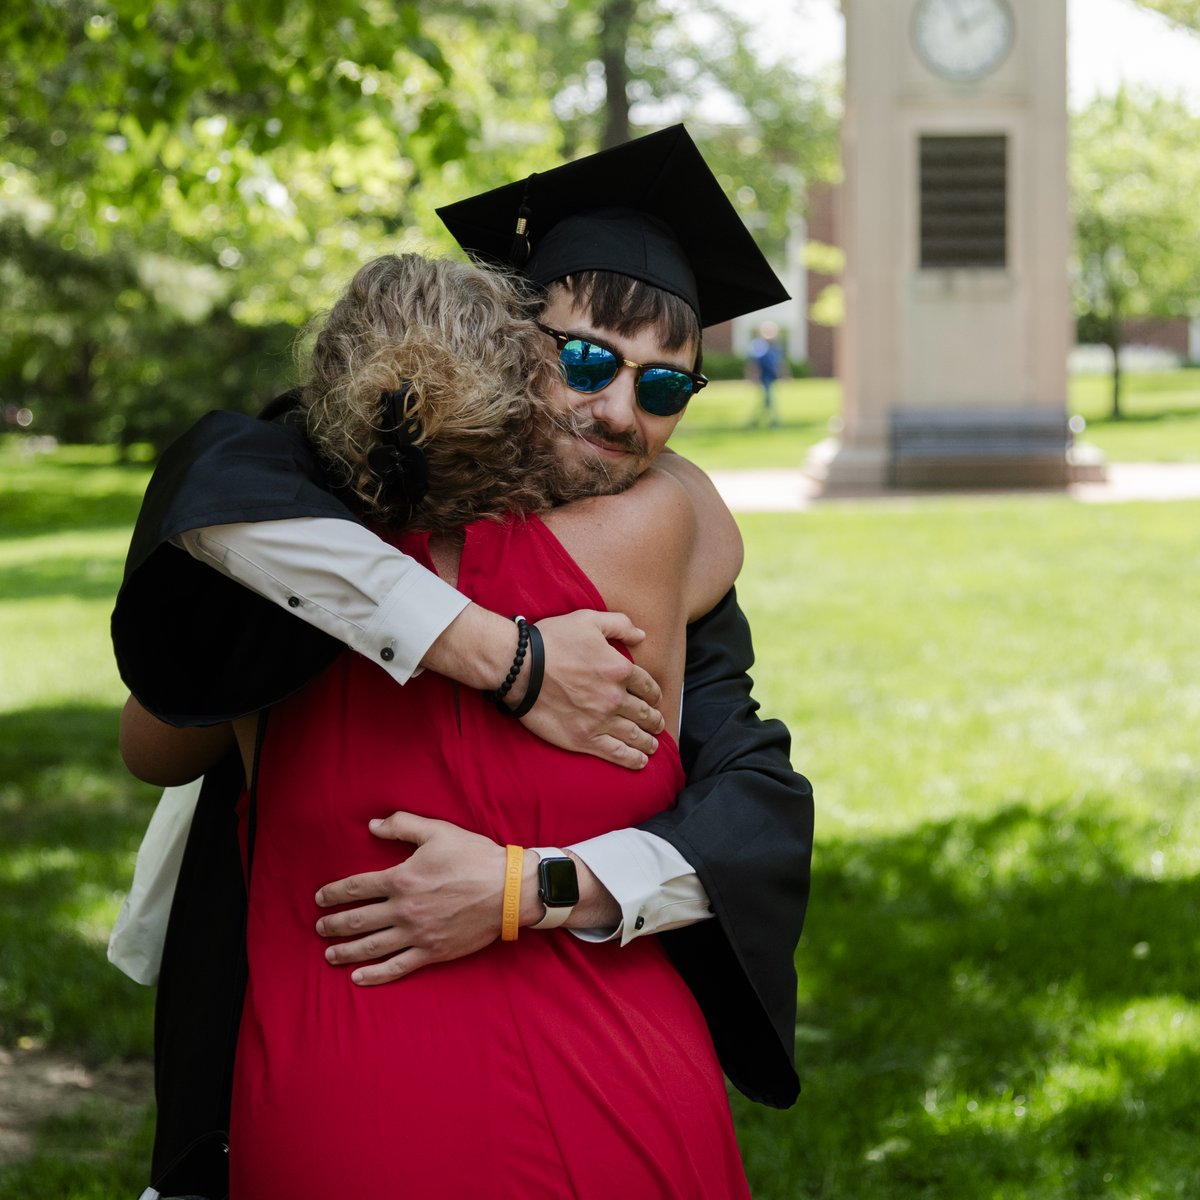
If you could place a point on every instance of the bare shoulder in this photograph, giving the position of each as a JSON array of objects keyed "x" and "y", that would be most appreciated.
[
  {"x": 701, "y": 490},
  {"x": 718, "y": 551},
  {"x": 652, "y": 521},
  {"x": 670, "y": 530}
]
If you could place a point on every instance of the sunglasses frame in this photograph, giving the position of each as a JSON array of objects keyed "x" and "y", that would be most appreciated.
[{"x": 562, "y": 338}]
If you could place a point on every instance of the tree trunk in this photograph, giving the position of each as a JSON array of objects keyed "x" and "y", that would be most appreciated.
[
  {"x": 616, "y": 20},
  {"x": 1114, "y": 343},
  {"x": 79, "y": 421}
]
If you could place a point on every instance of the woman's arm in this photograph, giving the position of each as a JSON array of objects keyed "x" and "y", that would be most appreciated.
[{"x": 156, "y": 752}]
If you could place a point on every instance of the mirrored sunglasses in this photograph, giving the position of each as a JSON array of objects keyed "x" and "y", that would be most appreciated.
[{"x": 590, "y": 366}]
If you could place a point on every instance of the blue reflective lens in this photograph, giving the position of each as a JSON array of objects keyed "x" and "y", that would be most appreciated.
[
  {"x": 589, "y": 367},
  {"x": 663, "y": 392}
]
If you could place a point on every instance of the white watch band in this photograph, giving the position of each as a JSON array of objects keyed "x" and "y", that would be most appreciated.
[{"x": 554, "y": 916}]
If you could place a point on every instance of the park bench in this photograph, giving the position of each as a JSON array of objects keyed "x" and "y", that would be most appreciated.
[{"x": 979, "y": 448}]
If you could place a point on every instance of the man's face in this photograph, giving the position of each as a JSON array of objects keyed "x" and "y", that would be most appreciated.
[{"x": 604, "y": 440}]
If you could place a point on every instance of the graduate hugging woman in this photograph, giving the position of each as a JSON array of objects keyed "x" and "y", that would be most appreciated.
[{"x": 570, "y": 951}]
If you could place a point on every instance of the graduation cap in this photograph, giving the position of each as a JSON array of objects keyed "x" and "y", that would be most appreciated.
[{"x": 651, "y": 209}]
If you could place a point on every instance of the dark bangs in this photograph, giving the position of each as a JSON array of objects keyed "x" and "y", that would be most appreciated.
[{"x": 627, "y": 306}]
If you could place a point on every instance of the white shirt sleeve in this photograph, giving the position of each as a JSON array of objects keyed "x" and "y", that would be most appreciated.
[
  {"x": 651, "y": 881},
  {"x": 340, "y": 577}
]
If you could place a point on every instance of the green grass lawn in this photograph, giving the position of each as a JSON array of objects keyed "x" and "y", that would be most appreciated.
[
  {"x": 1162, "y": 421},
  {"x": 996, "y": 699}
]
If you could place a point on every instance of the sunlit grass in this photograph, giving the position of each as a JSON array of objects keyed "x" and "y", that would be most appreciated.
[{"x": 1162, "y": 421}]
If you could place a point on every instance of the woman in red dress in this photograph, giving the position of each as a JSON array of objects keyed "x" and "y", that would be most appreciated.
[{"x": 548, "y": 1066}]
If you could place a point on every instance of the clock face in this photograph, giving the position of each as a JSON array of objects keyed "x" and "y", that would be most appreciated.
[{"x": 963, "y": 40}]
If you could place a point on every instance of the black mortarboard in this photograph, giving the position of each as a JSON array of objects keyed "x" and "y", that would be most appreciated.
[{"x": 651, "y": 209}]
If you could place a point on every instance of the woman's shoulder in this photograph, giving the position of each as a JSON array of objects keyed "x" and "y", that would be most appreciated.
[
  {"x": 653, "y": 517},
  {"x": 671, "y": 528}
]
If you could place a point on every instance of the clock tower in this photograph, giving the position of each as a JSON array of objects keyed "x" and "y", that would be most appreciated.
[{"x": 953, "y": 353}]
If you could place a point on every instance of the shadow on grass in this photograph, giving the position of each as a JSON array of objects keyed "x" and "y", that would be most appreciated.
[
  {"x": 1187, "y": 414},
  {"x": 58, "y": 492},
  {"x": 54, "y": 510},
  {"x": 990, "y": 1008},
  {"x": 99, "y": 1151},
  {"x": 70, "y": 822},
  {"x": 48, "y": 577},
  {"x": 994, "y": 1007}
]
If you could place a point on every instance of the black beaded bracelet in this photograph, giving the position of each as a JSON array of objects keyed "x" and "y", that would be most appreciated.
[
  {"x": 498, "y": 695},
  {"x": 537, "y": 670}
]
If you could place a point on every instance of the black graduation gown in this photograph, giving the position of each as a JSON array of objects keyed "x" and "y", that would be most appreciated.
[{"x": 196, "y": 648}]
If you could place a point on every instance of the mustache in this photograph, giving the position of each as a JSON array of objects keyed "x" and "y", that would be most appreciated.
[{"x": 577, "y": 425}]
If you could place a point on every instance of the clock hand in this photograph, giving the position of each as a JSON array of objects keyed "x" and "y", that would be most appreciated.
[{"x": 961, "y": 17}]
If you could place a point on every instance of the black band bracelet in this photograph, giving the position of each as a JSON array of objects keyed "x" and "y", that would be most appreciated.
[
  {"x": 537, "y": 670},
  {"x": 497, "y": 697}
]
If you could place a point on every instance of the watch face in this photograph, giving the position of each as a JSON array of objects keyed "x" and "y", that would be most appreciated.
[
  {"x": 558, "y": 885},
  {"x": 963, "y": 40}
]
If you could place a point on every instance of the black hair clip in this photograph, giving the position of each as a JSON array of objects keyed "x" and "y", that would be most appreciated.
[{"x": 398, "y": 462}]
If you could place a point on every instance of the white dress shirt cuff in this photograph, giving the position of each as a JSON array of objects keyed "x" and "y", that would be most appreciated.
[
  {"x": 339, "y": 577},
  {"x": 652, "y": 882}
]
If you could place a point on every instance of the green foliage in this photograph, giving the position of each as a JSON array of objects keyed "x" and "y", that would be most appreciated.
[
  {"x": 183, "y": 181},
  {"x": 1184, "y": 13},
  {"x": 779, "y": 128},
  {"x": 1134, "y": 170}
]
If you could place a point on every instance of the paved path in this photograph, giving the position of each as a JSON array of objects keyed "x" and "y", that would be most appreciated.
[{"x": 781, "y": 490}]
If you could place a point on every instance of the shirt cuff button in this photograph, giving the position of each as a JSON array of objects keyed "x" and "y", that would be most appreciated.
[
  {"x": 293, "y": 602},
  {"x": 387, "y": 654}
]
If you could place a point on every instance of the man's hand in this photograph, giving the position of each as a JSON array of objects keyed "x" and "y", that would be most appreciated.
[
  {"x": 593, "y": 699},
  {"x": 441, "y": 903}
]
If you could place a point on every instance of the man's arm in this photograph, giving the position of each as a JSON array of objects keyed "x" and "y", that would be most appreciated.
[
  {"x": 198, "y": 646},
  {"x": 443, "y": 902},
  {"x": 344, "y": 580}
]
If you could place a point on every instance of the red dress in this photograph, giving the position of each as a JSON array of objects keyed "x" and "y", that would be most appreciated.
[{"x": 548, "y": 1067}]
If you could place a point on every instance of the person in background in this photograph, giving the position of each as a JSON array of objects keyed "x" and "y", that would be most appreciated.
[{"x": 766, "y": 363}]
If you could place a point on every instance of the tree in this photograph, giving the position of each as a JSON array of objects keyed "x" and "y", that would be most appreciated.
[
  {"x": 615, "y": 68},
  {"x": 1135, "y": 170},
  {"x": 205, "y": 174},
  {"x": 212, "y": 168},
  {"x": 1184, "y": 13}
]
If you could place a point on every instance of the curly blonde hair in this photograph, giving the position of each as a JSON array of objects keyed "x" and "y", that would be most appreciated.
[{"x": 477, "y": 367}]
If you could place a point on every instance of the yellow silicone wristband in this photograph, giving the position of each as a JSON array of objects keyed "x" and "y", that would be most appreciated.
[{"x": 510, "y": 912}]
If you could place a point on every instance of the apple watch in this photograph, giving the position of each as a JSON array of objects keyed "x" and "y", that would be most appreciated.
[{"x": 558, "y": 886}]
